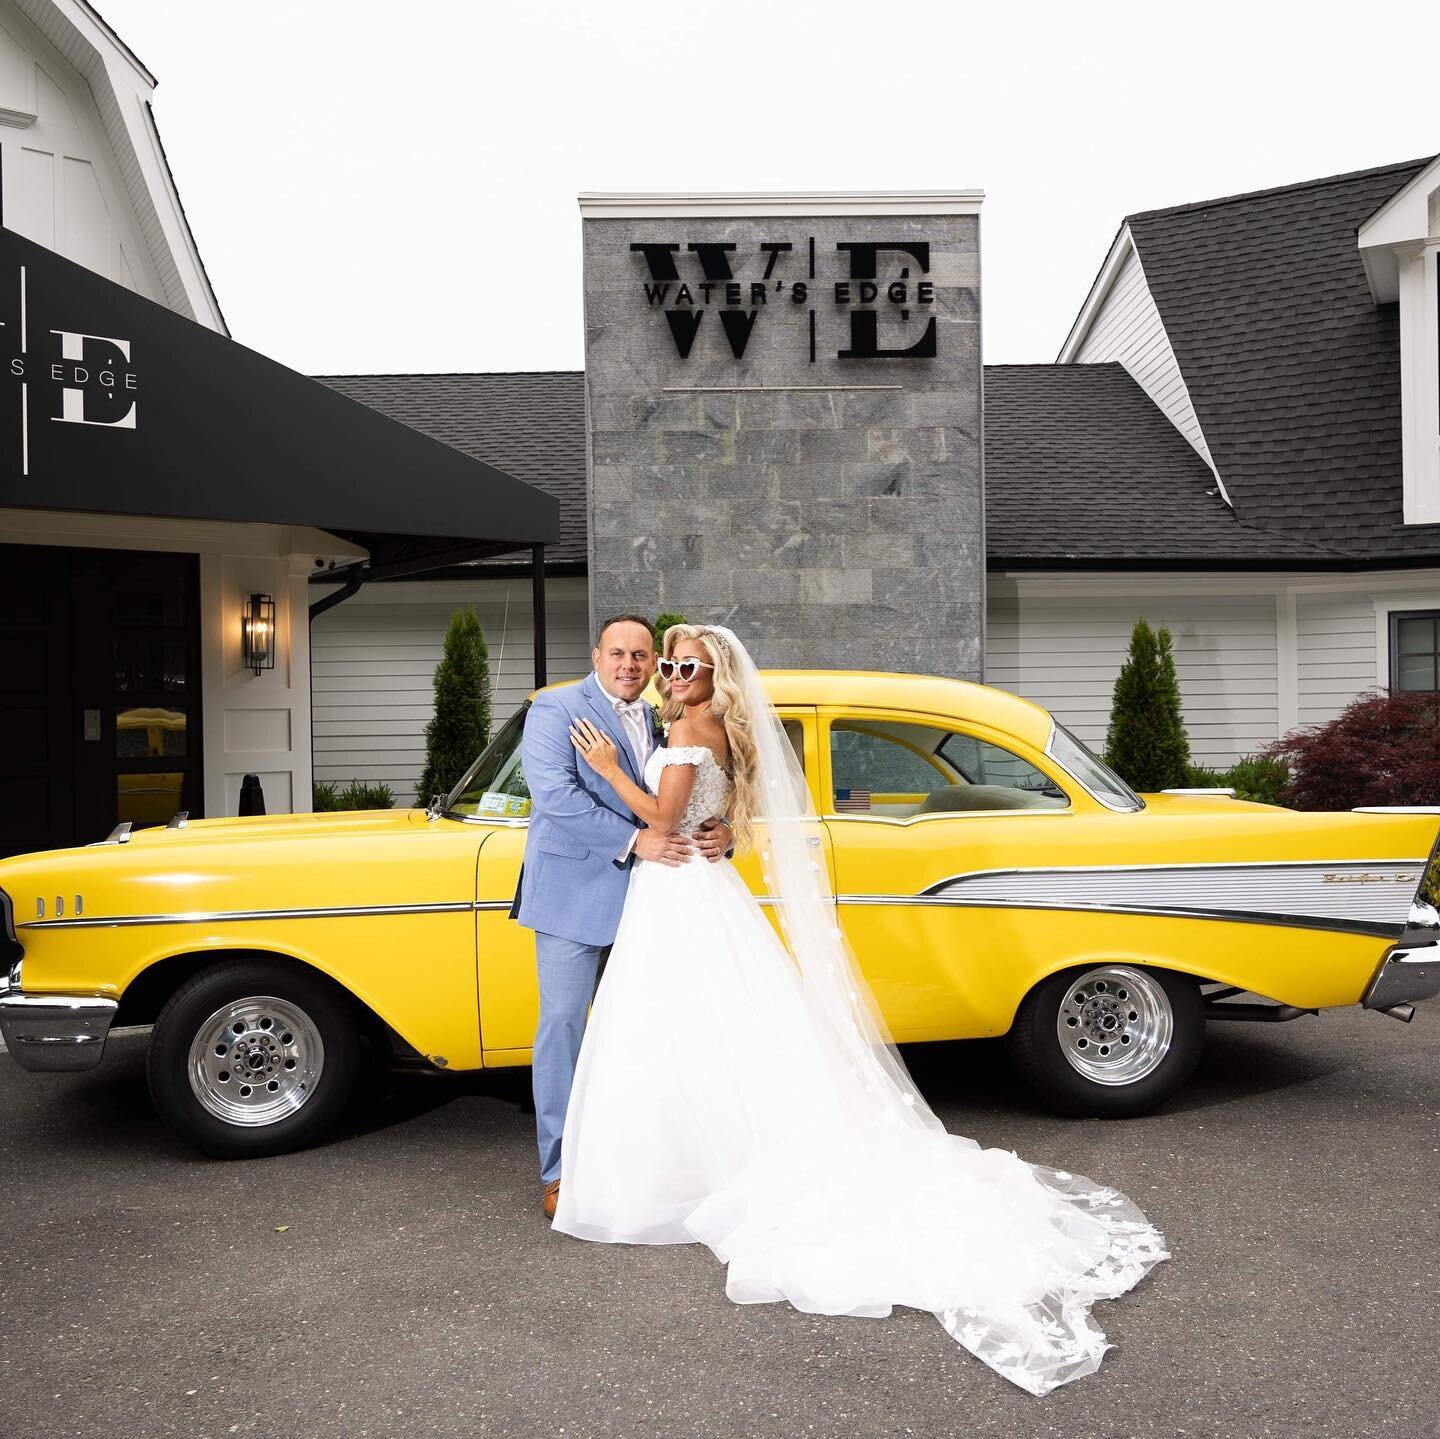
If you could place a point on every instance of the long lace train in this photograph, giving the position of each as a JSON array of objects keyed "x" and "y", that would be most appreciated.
[{"x": 713, "y": 1103}]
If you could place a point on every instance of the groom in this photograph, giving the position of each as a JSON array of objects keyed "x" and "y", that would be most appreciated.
[{"x": 578, "y": 852}]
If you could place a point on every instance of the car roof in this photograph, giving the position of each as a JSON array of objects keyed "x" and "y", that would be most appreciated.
[{"x": 925, "y": 694}]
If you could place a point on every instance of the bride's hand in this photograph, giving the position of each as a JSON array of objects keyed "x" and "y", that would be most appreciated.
[{"x": 595, "y": 748}]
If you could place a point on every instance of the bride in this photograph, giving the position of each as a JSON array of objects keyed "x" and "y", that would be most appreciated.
[{"x": 742, "y": 1093}]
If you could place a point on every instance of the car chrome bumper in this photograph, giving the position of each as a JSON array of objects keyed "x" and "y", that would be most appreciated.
[
  {"x": 1410, "y": 972},
  {"x": 54, "y": 1033}
]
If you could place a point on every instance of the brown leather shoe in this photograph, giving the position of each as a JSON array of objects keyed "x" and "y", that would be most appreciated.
[{"x": 550, "y": 1198}]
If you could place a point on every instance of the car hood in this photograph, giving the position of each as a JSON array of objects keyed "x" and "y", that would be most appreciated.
[{"x": 162, "y": 844}]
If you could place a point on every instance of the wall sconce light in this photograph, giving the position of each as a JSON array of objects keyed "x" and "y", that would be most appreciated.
[{"x": 257, "y": 633}]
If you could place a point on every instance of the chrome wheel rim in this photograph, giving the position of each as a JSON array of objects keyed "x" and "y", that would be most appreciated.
[
  {"x": 256, "y": 1061},
  {"x": 1115, "y": 1024}
]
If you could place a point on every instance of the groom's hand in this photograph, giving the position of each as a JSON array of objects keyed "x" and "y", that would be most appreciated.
[
  {"x": 713, "y": 838},
  {"x": 660, "y": 848}
]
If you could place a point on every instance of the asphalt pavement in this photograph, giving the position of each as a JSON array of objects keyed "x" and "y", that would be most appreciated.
[{"x": 399, "y": 1279}]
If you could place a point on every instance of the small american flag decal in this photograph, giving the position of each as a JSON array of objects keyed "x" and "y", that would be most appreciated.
[{"x": 851, "y": 800}]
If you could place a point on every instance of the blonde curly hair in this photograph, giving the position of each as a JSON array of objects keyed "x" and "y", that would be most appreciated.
[{"x": 727, "y": 704}]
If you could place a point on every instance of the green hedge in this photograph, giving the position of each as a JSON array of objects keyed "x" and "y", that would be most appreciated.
[
  {"x": 356, "y": 795},
  {"x": 1256, "y": 777}
]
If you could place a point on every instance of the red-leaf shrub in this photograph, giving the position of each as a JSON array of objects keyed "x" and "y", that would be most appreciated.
[{"x": 1382, "y": 749}]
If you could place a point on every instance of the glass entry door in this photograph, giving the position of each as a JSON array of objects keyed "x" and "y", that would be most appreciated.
[
  {"x": 101, "y": 720},
  {"x": 138, "y": 683}
]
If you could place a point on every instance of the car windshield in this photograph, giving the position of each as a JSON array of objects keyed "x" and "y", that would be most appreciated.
[
  {"x": 494, "y": 786},
  {"x": 1093, "y": 773}
]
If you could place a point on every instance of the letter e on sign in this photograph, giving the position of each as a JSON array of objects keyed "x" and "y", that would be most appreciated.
[{"x": 105, "y": 351}]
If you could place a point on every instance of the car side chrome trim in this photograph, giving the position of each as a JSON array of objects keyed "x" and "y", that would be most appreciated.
[
  {"x": 1326, "y": 865},
  {"x": 213, "y": 916},
  {"x": 1234, "y": 916},
  {"x": 1369, "y": 897}
]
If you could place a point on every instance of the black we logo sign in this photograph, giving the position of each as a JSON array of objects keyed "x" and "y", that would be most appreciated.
[
  {"x": 676, "y": 297},
  {"x": 738, "y": 303}
]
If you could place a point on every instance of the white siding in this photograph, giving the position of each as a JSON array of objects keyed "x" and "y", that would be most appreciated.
[
  {"x": 1335, "y": 652},
  {"x": 1065, "y": 652},
  {"x": 59, "y": 173},
  {"x": 373, "y": 661},
  {"x": 1127, "y": 328}
]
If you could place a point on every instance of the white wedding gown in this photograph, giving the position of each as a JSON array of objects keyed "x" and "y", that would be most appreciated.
[{"x": 710, "y": 1104}]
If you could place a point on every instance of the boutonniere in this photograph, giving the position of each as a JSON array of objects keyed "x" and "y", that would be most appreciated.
[{"x": 658, "y": 729}]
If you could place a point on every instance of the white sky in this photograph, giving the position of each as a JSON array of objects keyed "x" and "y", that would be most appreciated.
[{"x": 391, "y": 187}]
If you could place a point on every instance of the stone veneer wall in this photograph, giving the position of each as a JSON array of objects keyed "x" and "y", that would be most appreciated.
[{"x": 838, "y": 526}]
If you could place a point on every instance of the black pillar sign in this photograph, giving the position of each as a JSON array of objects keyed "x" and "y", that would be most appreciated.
[{"x": 778, "y": 285}]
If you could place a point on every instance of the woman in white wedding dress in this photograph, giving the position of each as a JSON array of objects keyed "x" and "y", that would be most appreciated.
[{"x": 741, "y": 1092}]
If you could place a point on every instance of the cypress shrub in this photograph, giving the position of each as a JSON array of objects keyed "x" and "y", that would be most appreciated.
[
  {"x": 1146, "y": 745},
  {"x": 663, "y": 623},
  {"x": 460, "y": 728}
]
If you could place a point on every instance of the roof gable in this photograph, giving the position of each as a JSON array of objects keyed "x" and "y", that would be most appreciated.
[
  {"x": 1293, "y": 370},
  {"x": 121, "y": 88},
  {"x": 1405, "y": 218},
  {"x": 1120, "y": 321}
]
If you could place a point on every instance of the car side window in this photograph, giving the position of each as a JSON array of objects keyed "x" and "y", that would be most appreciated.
[
  {"x": 897, "y": 770},
  {"x": 795, "y": 733}
]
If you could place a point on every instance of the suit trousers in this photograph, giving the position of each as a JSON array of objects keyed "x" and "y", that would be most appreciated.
[{"x": 568, "y": 971}]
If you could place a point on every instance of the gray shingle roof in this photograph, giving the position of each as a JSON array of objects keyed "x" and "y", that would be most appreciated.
[
  {"x": 1081, "y": 465},
  {"x": 1293, "y": 369},
  {"x": 530, "y": 424}
]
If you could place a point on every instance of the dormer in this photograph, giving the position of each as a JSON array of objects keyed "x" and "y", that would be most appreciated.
[{"x": 1399, "y": 245}]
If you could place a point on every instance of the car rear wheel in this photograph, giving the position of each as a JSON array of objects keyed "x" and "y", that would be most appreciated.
[
  {"x": 253, "y": 1057},
  {"x": 1110, "y": 1040}
]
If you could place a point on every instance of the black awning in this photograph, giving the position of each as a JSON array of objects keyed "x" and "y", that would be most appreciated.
[{"x": 112, "y": 403}]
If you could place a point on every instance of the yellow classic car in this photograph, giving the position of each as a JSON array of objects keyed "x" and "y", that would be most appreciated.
[{"x": 993, "y": 877}]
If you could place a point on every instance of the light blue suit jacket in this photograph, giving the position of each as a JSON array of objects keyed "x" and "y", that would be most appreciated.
[{"x": 571, "y": 883}]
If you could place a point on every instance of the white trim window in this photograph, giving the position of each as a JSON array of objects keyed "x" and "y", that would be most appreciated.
[{"x": 1415, "y": 651}]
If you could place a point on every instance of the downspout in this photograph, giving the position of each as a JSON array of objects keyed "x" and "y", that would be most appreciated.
[
  {"x": 353, "y": 581},
  {"x": 335, "y": 597},
  {"x": 537, "y": 611}
]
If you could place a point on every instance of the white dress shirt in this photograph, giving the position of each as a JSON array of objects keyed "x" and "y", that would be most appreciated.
[{"x": 634, "y": 716}]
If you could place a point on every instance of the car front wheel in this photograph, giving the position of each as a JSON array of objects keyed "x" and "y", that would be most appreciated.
[
  {"x": 253, "y": 1057},
  {"x": 1110, "y": 1040}
]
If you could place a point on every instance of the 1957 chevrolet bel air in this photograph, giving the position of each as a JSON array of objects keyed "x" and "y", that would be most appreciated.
[{"x": 993, "y": 877}]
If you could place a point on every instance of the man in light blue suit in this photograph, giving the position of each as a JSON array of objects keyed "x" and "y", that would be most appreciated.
[{"x": 578, "y": 852}]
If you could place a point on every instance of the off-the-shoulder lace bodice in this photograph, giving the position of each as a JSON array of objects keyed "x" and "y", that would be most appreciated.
[{"x": 712, "y": 785}]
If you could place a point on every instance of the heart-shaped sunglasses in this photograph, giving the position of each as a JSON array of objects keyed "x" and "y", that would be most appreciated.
[{"x": 685, "y": 669}]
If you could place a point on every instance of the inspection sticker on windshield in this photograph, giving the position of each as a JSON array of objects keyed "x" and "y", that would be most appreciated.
[{"x": 512, "y": 806}]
